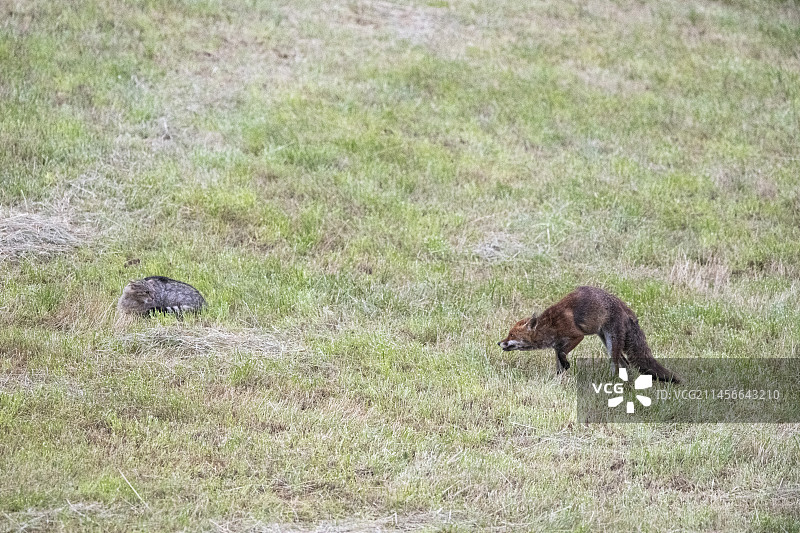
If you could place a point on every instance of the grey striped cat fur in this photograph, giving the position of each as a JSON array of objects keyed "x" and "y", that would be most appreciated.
[{"x": 157, "y": 294}]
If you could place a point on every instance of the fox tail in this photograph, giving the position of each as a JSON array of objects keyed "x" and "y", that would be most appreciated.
[{"x": 639, "y": 355}]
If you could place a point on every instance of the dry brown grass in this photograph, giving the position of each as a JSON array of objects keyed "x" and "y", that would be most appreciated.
[
  {"x": 435, "y": 28},
  {"x": 395, "y": 522},
  {"x": 499, "y": 247},
  {"x": 42, "y": 235},
  {"x": 77, "y": 514},
  {"x": 31, "y": 382},
  {"x": 197, "y": 340},
  {"x": 611, "y": 81},
  {"x": 710, "y": 277}
]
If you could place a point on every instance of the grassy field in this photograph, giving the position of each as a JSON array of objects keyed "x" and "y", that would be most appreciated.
[{"x": 369, "y": 194}]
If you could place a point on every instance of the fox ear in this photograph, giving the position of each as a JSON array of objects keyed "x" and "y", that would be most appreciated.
[{"x": 532, "y": 322}]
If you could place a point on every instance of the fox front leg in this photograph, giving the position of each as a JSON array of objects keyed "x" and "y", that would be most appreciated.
[
  {"x": 561, "y": 361},
  {"x": 562, "y": 349}
]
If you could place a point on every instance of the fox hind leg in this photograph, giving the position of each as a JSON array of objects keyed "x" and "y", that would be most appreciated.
[
  {"x": 614, "y": 349},
  {"x": 609, "y": 348}
]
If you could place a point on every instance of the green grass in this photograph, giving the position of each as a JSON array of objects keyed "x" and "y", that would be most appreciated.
[{"x": 369, "y": 194}]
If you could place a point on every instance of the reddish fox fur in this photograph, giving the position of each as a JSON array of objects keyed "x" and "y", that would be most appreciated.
[{"x": 588, "y": 311}]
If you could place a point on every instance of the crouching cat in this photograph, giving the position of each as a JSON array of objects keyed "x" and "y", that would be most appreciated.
[{"x": 158, "y": 294}]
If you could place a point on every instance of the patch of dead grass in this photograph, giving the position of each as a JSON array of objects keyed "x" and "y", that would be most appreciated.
[
  {"x": 432, "y": 27},
  {"x": 86, "y": 312},
  {"x": 499, "y": 246},
  {"x": 41, "y": 235},
  {"x": 710, "y": 277},
  {"x": 423, "y": 521},
  {"x": 57, "y": 517},
  {"x": 192, "y": 341},
  {"x": 607, "y": 80},
  {"x": 30, "y": 382}
]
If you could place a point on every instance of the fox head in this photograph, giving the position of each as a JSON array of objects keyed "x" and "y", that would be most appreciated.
[{"x": 525, "y": 335}]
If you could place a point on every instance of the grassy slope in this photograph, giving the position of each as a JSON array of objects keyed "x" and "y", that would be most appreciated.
[{"x": 369, "y": 194}]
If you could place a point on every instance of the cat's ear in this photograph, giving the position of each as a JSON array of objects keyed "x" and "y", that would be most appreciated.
[{"x": 532, "y": 322}]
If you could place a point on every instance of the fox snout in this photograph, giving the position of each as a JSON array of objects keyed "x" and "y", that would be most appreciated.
[{"x": 510, "y": 344}]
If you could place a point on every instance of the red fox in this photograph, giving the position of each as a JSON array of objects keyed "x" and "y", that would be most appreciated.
[{"x": 588, "y": 311}]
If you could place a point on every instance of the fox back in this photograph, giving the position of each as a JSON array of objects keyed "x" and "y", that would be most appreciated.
[{"x": 584, "y": 311}]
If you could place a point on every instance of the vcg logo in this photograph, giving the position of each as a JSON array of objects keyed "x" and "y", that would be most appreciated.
[{"x": 618, "y": 387}]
